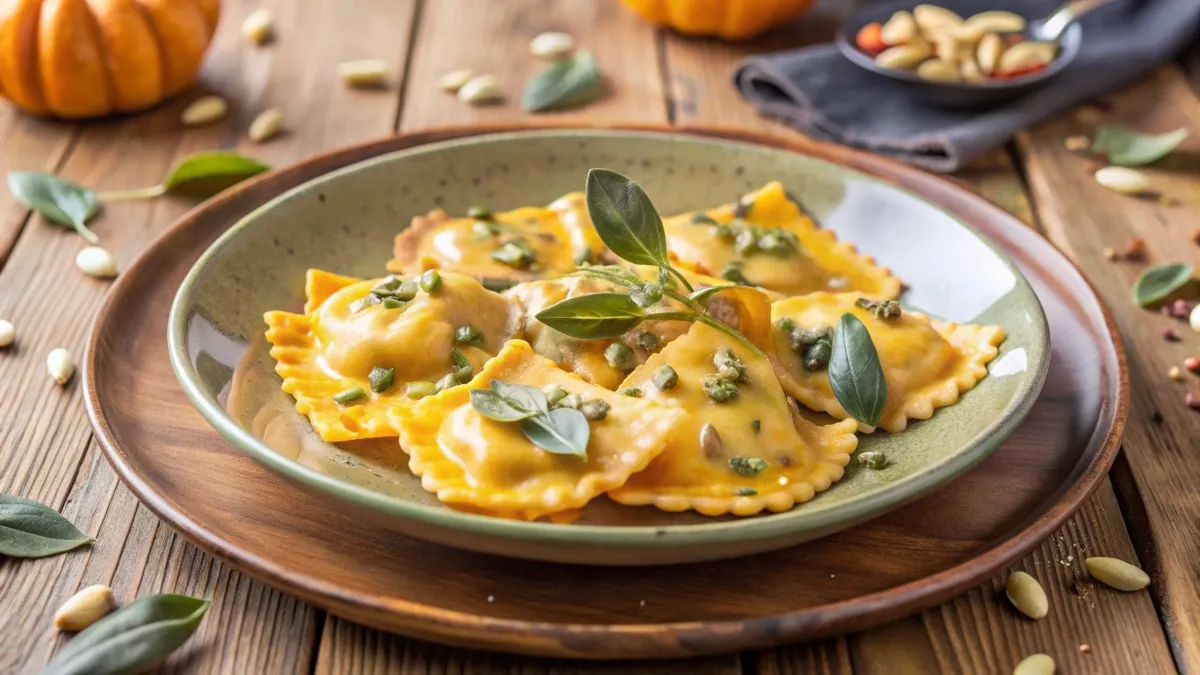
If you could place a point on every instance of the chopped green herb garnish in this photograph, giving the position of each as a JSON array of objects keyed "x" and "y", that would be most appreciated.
[
  {"x": 633, "y": 392},
  {"x": 420, "y": 389},
  {"x": 485, "y": 228},
  {"x": 786, "y": 324},
  {"x": 554, "y": 393},
  {"x": 468, "y": 334},
  {"x": 648, "y": 341},
  {"x": 747, "y": 466},
  {"x": 745, "y": 492},
  {"x": 349, "y": 396},
  {"x": 462, "y": 370},
  {"x": 729, "y": 366},
  {"x": 620, "y": 356},
  {"x": 665, "y": 378},
  {"x": 872, "y": 460},
  {"x": 733, "y": 273},
  {"x": 431, "y": 280},
  {"x": 756, "y": 425},
  {"x": 746, "y": 241},
  {"x": 702, "y": 218},
  {"x": 516, "y": 252},
  {"x": 446, "y": 382},
  {"x": 570, "y": 401},
  {"x": 718, "y": 388},
  {"x": 381, "y": 378},
  {"x": 816, "y": 356},
  {"x": 645, "y": 295},
  {"x": 392, "y": 303},
  {"x": 594, "y": 410},
  {"x": 363, "y": 303},
  {"x": 722, "y": 232},
  {"x": 880, "y": 309},
  {"x": 479, "y": 213}
]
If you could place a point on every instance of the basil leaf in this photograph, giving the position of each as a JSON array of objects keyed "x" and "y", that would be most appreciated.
[
  {"x": 704, "y": 294},
  {"x": 207, "y": 173},
  {"x": 625, "y": 219},
  {"x": 1156, "y": 283},
  {"x": 32, "y": 530},
  {"x": 1131, "y": 148},
  {"x": 57, "y": 200},
  {"x": 522, "y": 396},
  {"x": 133, "y": 638},
  {"x": 594, "y": 316},
  {"x": 495, "y": 407},
  {"x": 569, "y": 83},
  {"x": 854, "y": 371},
  {"x": 563, "y": 431}
]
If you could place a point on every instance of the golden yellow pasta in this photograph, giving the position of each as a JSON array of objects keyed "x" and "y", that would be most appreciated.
[
  {"x": 741, "y": 449},
  {"x": 336, "y": 357},
  {"x": 775, "y": 246},
  {"x": 468, "y": 459},
  {"x": 927, "y": 363}
]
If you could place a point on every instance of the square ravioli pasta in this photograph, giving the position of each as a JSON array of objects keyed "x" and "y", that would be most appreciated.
[
  {"x": 765, "y": 240},
  {"x": 742, "y": 449},
  {"x": 473, "y": 461},
  {"x": 352, "y": 354},
  {"x": 927, "y": 363}
]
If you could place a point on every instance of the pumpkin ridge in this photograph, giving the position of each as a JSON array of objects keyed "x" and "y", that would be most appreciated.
[
  {"x": 106, "y": 55},
  {"x": 158, "y": 47},
  {"x": 27, "y": 78}
]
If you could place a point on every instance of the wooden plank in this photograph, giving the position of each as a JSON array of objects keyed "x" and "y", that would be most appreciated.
[
  {"x": 1082, "y": 218},
  {"x": 31, "y": 144},
  {"x": 45, "y": 440},
  {"x": 493, "y": 37}
]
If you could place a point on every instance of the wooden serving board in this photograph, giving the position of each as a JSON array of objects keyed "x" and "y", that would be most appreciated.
[{"x": 898, "y": 564}]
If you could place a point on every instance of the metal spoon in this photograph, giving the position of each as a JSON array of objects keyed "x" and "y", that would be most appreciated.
[{"x": 1051, "y": 28}]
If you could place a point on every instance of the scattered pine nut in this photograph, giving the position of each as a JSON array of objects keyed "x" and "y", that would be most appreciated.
[
  {"x": 266, "y": 126},
  {"x": 454, "y": 80},
  {"x": 1194, "y": 318},
  {"x": 84, "y": 608},
  {"x": 8, "y": 333},
  {"x": 1123, "y": 180},
  {"x": 259, "y": 26},
  {"x": 96, "y": 262},
  {"x": 60, "y": 365},
  {"x": 1117, "y": 574},
  {"x": 204, "y": 110},
  {"x": 1192, "y": 364},
  {"x": 1077, "y": 143},
  {"x": 551, "y": 46},
  {"x": 1035, "y": 664},
  {"x": 481, "y": 89},
  {"x": 1026, "y": 594},
  {"x": 1110, "y": 253},
  {"x": 1175, "y": 373},
  {"x": 364, "y": 74}
]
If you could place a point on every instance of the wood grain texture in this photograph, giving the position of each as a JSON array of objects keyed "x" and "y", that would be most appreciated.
[
  {"x": 493, "y": 37},
  {"x": 1164, "y": 467},
  {"x": 44, "y": 437},
  {"x": 32, "y": 145}
]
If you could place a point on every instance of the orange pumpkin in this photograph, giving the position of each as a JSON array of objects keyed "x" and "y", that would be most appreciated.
[
  {"x": 729, "y": 19},
  {"x": 88, "y": 58}
]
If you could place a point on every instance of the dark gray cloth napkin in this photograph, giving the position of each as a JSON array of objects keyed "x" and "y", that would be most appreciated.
[{"x": 820, "y": 92}]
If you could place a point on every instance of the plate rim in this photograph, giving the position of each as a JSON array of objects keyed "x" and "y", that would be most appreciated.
[
  {"x": 759, "y": 529},
  {"x": 467, "y": 629}
]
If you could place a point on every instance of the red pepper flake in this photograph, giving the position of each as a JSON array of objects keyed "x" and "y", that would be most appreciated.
[
  {"x": 1135, "y": 250},
  {"x": 1192, "y": 363},
  {"x": 1192, "y": 399},
  {"x": 1170, "y": 335}
]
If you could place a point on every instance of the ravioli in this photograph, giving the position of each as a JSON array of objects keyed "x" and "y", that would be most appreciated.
[
  {"x": 519, "y": 245},
  {"x": 467, "y": 459},
  {"x": 742, "y": 455},
  {"x": 335, "y": 344},
  {"x": 927, "y": 363},
  {"x": 775, "y": 246}
]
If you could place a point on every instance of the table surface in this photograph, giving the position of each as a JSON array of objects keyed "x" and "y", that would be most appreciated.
[{"x": 1146, "y": 511}]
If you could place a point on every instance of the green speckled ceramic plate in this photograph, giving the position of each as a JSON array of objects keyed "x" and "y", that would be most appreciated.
[{"x": 345, "y": 222}]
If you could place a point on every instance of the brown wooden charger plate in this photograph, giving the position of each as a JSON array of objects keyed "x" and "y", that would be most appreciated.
[{"x": 895, "y": 565}]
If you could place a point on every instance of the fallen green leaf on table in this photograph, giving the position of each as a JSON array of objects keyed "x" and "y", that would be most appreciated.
[
  {"x": 854, "y": 372},
  {"x": 561, "y": 431},
  {"x": 32, "y": 530},
  {"x": 569, "y": 83},
  {"x": 131, "y": 639},
  {"x": 1156, "y": 283},
  {"x": 1127, "y": 147},
  {"x": 57, "y": 200}
]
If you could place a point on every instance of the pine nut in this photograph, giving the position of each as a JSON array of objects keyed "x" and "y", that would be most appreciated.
[
  {"x": 551, "y": 46},
  {"x": 454, "y": 80},
  {"x": 96, "y": 262},
  {"x": 8, "y": 334},
  {"x": 259, "y": 26},
  {"x": 84, "y": 608},
  {"x": 1123, "y": 180},
  {"x": 60, "y": 365},
  {"x": 204, "y": 110},
  {"x": 1026, "y": 594},
  {"x": 1117, "y": 574},
  {"x": 481, "y": 89},
  {"x": 367, "y": 73},
  {"x": 266, "y": 126}
]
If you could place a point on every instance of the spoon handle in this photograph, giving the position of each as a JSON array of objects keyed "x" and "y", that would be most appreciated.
[{"x": 1056, "y": 24}]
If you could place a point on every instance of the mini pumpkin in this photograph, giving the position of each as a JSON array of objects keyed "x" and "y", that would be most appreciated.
[
  {"x": 89, "y": 58},
  {"x": 729, "y": 19}
]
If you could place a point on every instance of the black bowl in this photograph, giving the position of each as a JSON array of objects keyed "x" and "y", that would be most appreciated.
[{"x": 952, "y": 94}]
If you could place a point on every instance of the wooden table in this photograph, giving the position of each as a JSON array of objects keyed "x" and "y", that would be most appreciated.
[{"x": 1146, "y": 512}]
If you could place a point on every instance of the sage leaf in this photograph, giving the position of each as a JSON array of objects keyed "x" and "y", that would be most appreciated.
[
  {"x": 702, "y": 295},
  {"x": 625, "y": 219},
  {"x": 57, "y": 200},
  {"x": 207, "y": 173},
  {"x": 522, "y": 396},
  {"x": 854, "y": 371},
  {"x": 1127, "y": 147},
  {"x": 562, "y": 431},
  {"x": 594, "y": 316},
  {"x": 133, "y": 638},
  {"x": 569, "y": 83},
  {"x": 1159, "y": 281},
  {"x": 32, "y": 530},
  {"x": 618, "y": 276},
  {"x": 495, "y": 407}
]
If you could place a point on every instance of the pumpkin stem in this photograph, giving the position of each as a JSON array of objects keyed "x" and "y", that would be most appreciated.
[{"x": 126, "y": 195}]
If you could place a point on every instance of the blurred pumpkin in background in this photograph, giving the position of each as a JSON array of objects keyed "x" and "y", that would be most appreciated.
[
  {"x": 89, "y": 58},
  {"x": 728, "y": 19}
]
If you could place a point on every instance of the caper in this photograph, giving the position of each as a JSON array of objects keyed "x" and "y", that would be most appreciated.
[
  {"x": 632, "y": 392},
  {"x": 349, "y": 396},
  {"x": 620, "y": 356},
  {"x": 467, "y": 334},
  {"x": 746, "y": 241},
  {"x": 420, "y": 389},
  {"x": 665, "y": 378},
  {"x": 718, "y": 388},
  {"x": 554, "y": 393},
  {"x": 729, "y": 366},
  {"x": 648, "y": 341},
  {"x": 381, "y": 378},
  {"x": 431, "y": 280},
  {"x": 816, "y": 355},
  {"x": 479, "y": 212},
  {"x": 594, "y": 410}
]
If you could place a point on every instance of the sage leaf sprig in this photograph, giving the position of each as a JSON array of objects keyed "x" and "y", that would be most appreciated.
[
  {"x": 132, "y": 639},
  {"x": 626, "y": 219},
  {"x": 63, "y": 202},
  {"x": 561, "y": 431},
  {"x": 855, "y": 374},
  {"x": 1127, "y": 147},
  {"x": 32, "y": 530},
  {"x": 58, "y": 200},
  {"x": 569, "y": 83},
  {"x": 599, "y": 316},
  {"x": 1157, "y": 282}
]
